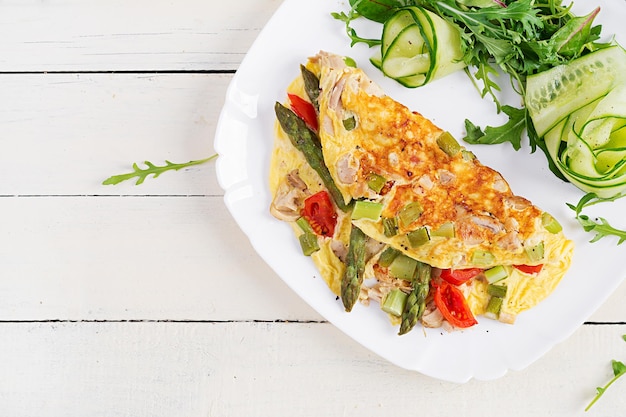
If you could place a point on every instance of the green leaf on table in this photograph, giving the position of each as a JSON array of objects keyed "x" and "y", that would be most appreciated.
[
  {"x": 151, "y": 169},
  {"x": 619, "y": 369}
]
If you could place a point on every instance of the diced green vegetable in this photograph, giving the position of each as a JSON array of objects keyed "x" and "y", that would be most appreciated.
[
  {"x": 394, "y": 302},
  {"x": 403, "y": 267},
  {"x": 495, "y": 274},
  {"x": 375, "y": 182},
  {"x": 482, "y": 258},
  {"x": 493, "y": 307},
  {"x": 409, "y": 213},
  {"x": 535, "y": 253},
  {"x": 387, "y": 256},
  {"x": 304, "y": 225},
  {"x": 367, "y": 209},
  {"x": 445, "y": 230},
  {"x": 309, "y": 243},
  {"x": 349, "y": 123},
  {"x": 550, "y": 223},
  {"x": 496, "y": 290},
  {"x": 448, "y": 144},
  {"x": 418, "y": 237},
  {"x": 390, "y": 226}
]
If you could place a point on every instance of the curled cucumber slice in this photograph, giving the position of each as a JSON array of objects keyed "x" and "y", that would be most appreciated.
[
  {"x": 417, "y": 46},
  {"x": 580, "y": 111}
]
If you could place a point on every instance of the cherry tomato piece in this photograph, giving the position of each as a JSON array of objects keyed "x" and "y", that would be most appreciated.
[
  {"x": 529, "y": 269},
  {"x": 453, "y": 306},
  {"x": 459, "y": 276},
  {"x": 304, "y": 110},
  {"x": 320, "y": 213}
]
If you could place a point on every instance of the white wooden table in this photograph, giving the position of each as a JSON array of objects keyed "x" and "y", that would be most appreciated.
[{"x": 148, "y": 300}]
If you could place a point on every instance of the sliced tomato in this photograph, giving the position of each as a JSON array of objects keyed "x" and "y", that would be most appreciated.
[
  {"x": 304, "y": 110},
  {"x": 320, "y": 213},
  {"x": 529, "y": 269},
  {"x": 453, "y": 306},
  {"x": 459, "y": 276}
]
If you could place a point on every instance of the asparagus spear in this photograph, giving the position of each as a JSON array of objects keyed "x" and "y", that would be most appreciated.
[
  {"x": 307, "y": 142},
  {"x": 355, "y": 265},
  {"x": 416, "y": 302},
  {"x": 311, "y": 85}
]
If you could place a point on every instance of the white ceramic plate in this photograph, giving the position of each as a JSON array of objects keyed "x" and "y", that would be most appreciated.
[{"x": 244, "y": 139}]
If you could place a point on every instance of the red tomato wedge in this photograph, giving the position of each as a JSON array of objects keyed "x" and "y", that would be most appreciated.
[
  {"x": 453, "y": 306},
  {"x": 304, "y": 110},
  {"x": 529, "y": 269},
  {"x": 459, "y": 276},
  {"x": 320, "y": 213}
]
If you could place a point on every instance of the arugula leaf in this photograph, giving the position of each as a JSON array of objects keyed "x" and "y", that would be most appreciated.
[
  {"x": 511, "y": 131},
  {"x": 601, "y": 226},
  {"x": 152, "y": 169},
  {"x": 619, "y": 370},
  {"x": 483, "y": 72},
  {"x": 350, "y": 31}
]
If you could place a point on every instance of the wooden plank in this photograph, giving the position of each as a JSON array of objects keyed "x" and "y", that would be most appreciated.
[
  {"x": 147, "y": 35},
  {"x": 129, "y": 258},
  {"x": 68, "y": 132},
  {"x": 258, "y": 369}
]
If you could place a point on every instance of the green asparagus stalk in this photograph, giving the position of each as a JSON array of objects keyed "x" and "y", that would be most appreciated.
[
  {"x": 307, "y": 142},
  {"x": 311, "y": 85},
  {"x": 355, "y": 265},
  {"x": 416, "y": 302}
]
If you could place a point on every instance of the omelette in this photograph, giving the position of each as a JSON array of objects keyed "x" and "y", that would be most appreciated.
[{"x": 393, "y": 210}]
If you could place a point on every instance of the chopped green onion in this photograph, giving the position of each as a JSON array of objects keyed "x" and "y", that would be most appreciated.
[
  {"x": 394, "y": 302},
  {"x": 375, "y": 182},
  {"x": 482, "y": 258},
  {"x": 409, "y": 213},
  {"x": 550, "y": 223},
  {"x": 493, "y": 307},
  {"x": 349, "y": 123},
  {"x": 468, "y": 155},
  {"x": 418, "y": 237},
  {"x": 495, "y": 274},
  {"x": 387, "y": 256},
  {"x": 403, "y": 267},
  {"x": 309, "y": 243},
  {"x": 445, "y": 230},
  {"x": 496, "y": 290},
  {"x": 448, "y": 144},
  {"x": 367, "y": 209},
  {"x": 390, "y": 226},
  {"x": 535, "y": 253}
]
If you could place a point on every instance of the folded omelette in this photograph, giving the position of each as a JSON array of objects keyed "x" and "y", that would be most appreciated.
[{"x": 392, "y": 209}]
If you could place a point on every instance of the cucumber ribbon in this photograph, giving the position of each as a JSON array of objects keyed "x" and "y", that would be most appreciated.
[
  {"x": 417, "y": 46},
  {"x": 579, "y": 109}
]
